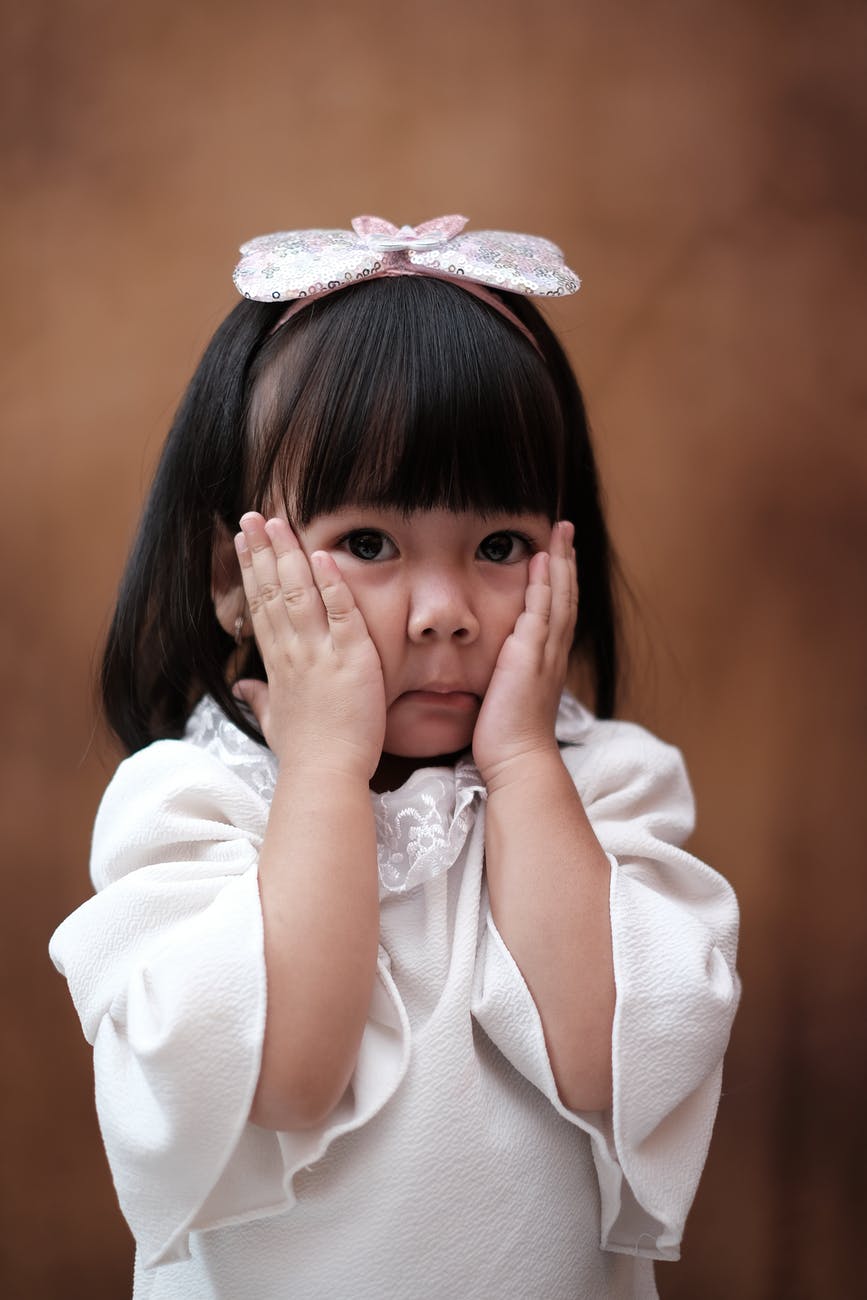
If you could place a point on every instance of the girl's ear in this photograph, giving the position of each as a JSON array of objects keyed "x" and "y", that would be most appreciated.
[{"x": 227, "y": 589}]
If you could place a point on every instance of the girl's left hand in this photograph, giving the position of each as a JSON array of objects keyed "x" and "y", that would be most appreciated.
[{"x": 516, "y": 720}]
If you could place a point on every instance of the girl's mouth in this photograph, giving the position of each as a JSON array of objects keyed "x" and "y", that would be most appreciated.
[{"x": 452, "y": 701}]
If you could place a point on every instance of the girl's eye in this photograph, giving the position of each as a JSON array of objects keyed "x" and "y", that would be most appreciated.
[
  {"x": 505, "y": 548},
  {"x": 368, "y": 544}
]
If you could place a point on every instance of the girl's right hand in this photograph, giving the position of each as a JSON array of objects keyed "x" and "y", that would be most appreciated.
[{"x": 325, "y": 697}]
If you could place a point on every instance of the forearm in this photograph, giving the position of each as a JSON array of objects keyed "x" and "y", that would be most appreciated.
[
  {"x": 548, "y": 881},
  {"x": 318, "y": 884}
]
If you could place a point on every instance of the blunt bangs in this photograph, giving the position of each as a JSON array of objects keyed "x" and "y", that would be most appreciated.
[{"x": 406, "y": 393}]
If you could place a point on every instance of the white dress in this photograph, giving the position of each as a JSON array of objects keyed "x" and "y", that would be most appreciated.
[{"x": 450, "y": 1168}]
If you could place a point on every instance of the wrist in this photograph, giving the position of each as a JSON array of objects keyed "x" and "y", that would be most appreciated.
[
  {"x": 537, "y": 764},
  {"x": 324, "y": 766}
]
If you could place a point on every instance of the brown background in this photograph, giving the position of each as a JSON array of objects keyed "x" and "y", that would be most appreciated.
[{"x": 702, "y": 162}]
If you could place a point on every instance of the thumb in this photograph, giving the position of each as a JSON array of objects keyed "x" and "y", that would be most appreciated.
[{"x": 253, "y": 693}]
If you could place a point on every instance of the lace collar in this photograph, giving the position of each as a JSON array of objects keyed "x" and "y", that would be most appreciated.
[{"x": 421, "y": 828}]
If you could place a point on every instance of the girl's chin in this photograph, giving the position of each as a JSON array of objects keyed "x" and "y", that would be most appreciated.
[
  {"x": 447, "y": 751},
  {"x": 431, "y": 743},
  {"x": 422, "y": 744},
  {"x": 425, "y": 729}
]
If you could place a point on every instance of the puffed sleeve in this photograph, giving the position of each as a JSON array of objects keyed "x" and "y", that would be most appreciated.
[
  {"x": 674, "y": 933},
  {"x": 166, "y": 967}
]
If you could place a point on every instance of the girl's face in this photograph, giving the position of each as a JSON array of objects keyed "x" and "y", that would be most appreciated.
[{"x": 440, "y": 592}]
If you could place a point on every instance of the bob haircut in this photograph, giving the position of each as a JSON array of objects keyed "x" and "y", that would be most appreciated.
[{"x": 405, "y": 392}]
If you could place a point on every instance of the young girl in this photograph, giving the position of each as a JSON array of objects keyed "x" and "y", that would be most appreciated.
[{"x": 398, "y": 980}]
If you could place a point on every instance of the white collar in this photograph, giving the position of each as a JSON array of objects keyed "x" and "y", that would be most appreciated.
[{"x": 421, "y": 828}]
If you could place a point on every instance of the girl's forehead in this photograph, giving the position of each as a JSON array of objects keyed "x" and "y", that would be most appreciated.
[
  {"x": 439, "y": 527},
  {"x": 425, "y": 516}
]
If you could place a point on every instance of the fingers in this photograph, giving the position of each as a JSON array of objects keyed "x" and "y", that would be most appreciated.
[
  {"x": 345, "y": 620},
  {"x": 564, "y": 582},
  {"x": 551, "y": 597},
  {"x": 254, "y": 694},
  {"x": 537, "y": 597},
  {"x": 277, "y": 579},
  {"x": 287, "y": 592}
]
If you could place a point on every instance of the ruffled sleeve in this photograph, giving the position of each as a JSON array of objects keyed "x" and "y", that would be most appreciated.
[
  {"x": 166, "y": 968},
  {"x": 674, "y": 931}
]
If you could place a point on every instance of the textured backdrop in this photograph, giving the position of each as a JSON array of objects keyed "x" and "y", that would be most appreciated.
[{"x": 701, "y": 162}]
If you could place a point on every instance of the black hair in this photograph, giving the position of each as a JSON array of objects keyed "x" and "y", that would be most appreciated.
[{"x": 406, "y": 392}]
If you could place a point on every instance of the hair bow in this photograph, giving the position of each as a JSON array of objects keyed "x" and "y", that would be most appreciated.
[{"x": 292, "y": 264}]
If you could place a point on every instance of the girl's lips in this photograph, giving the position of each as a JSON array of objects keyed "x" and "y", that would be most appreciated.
[{"x": 457, "y": 701}]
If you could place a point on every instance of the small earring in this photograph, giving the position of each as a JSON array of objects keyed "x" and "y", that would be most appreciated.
[{"x": 239, "y": 627}]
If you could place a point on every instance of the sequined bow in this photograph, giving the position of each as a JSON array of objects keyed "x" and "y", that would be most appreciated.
[{"x": 292, "y": 264}]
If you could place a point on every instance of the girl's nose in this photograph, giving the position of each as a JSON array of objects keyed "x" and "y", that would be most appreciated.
[{"x": 440, "y": 609}]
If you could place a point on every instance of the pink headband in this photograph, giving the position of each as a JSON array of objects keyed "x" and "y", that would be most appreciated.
[{"x": 301, "y": 265}]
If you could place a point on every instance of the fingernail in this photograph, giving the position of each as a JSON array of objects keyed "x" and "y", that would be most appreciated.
[{"x": 240, "y": 543}]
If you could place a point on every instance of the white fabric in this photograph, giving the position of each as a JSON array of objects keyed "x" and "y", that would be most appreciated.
[{"x": 450, "y": 1167}]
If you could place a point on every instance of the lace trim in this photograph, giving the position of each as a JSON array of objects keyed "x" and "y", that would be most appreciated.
[
  {"x": 421, "y": 828},
  {"x": 210, "y": 729}
]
